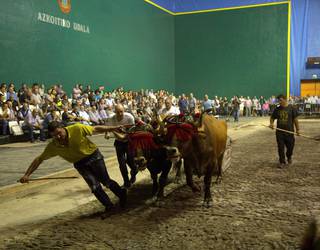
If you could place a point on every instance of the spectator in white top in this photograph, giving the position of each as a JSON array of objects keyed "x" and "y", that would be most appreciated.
[
  {"x": 3, "y": 92},
  {"x": 216, "y": 104},
  {"x": 7, "y": 114},
  {"x": 255, "y": 102},
  {"x": 247, "y": 106},
  {"x": 85, "y": 100},
  {"x": 192, "y": 103},
  {"x": 109, "y": 100},
  {"x": 76, "y": 92},
  {"x": 33, "y": 122},
  {"x": 159, "y": 106},
  {"x": 41, "y": 90},
  {"x": 94, "y": 115},
  {"x": 36, "y": 98},
  {"x": 169, "y": 109},
  {"x": 84, "y": 116}
]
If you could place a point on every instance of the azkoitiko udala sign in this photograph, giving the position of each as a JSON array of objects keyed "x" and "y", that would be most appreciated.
[{"x": 65, "y": 7}]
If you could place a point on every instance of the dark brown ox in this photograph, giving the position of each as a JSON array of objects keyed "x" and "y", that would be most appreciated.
[
  {"x": 202, "y": 147},
  {"x": 153, "y": 156}
]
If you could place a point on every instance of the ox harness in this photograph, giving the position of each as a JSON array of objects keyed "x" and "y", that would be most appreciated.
[{"x": 181, "y": 127}]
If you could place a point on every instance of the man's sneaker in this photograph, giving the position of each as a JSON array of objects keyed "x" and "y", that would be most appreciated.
[
  {"x": 281, "y": 165},
  {"x": 289, "y": 161},
  {"x": 123, "y": 198}
]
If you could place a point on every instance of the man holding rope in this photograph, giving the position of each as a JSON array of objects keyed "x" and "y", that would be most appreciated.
[
  {"x": 122, "y": 118},
  {"x": 71, "y": 143},
  {"x": 286, "y": 116}
]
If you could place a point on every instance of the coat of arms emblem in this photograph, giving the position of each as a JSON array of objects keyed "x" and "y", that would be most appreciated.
[{"x": 65, "y": 6}]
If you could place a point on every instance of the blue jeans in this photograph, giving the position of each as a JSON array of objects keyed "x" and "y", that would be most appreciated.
[
  {"x": 5, "y": 126},
  {"x": 30, "y": 129},
  {"x": 236, "y": 114},
  {"x": 125, "y": 158},
  {"x": 94, "y": 171}
]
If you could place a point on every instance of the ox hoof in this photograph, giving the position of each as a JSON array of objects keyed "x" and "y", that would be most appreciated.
[
  {"x": 154, "y": 198},
  {"x": 195, "y": 188},
  {"x": 218, "y": 180},
  {"x": 159, "y": 202},
  {"x": 177, "y": 180},
  {"x": 207, "y": 203}
]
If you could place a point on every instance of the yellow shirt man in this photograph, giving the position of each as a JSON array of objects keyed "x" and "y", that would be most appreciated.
[
  {"x": 71, "y": 143},
  {"x": 77, "y": 148}
]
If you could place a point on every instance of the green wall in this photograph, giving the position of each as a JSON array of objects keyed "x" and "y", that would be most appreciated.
[
  {"x": 131, "y": 43},
  {"x": 135, "y": 45},
  {"x": 232, "y": 52}
]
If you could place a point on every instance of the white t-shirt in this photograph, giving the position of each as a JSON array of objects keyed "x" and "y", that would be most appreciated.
[
  {"x": 3, "y": 96},
  {"x": 127, "y": 119},
  {"x": 9, "y": 113},
  {"x": 36, "y": 99},
  {"x": 109, "y": 102},
  {"x": 84, "y": 115},
  {"x": 172, "y": 111}
]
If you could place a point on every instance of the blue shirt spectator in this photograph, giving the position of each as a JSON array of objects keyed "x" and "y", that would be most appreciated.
[
  {"x": 207, "y": 103},
  {"x": 183, "y": 104}
]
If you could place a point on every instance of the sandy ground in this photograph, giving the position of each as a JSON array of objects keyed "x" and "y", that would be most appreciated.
[{"x": 257, "y": 206}]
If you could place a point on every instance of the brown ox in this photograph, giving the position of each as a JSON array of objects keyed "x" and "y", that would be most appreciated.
[{"x": 202, "y": 147}]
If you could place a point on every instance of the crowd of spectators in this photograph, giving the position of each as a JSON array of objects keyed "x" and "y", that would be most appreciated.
[{"x": 34, "y": 107}]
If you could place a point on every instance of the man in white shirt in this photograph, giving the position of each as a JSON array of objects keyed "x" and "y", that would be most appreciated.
[
  {"x": 192, "y": 103},
  {"x": 169, "y": 109},
  {"x": 95, "y": 117},
  {"x": 109, "y": 100},
  {"x": 121, "y": 145},
  {"x": 36, "y": 98},
  {"x": 6, "y": 115},
  {"x": 32, "y": 121},
  {"x": 84, "y": 116},
  {"x": 3, "y": 92}
]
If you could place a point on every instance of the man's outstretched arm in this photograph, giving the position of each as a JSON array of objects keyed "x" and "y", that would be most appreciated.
[
  {"x": 34, "y": 165},
  {"x": 105, "y": 129}
]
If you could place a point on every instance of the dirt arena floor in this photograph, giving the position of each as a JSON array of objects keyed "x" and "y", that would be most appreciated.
[{"x": 257, "y": 206}]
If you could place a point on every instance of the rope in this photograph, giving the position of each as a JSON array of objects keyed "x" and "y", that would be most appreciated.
[
  {"x": 282, "y": 130},
  {"x": 293, "y": 133}
]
